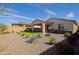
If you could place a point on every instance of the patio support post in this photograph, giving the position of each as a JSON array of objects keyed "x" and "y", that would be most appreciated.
[
  {"x": 32, "y": 27},
  {"x": 43, "y": 28}
]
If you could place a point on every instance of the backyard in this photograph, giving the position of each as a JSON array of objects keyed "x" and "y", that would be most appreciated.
[
  {"x": 32, "y": 43},
  {"x": 16, "y": 43}
]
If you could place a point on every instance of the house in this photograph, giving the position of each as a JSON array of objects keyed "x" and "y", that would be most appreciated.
[
  {"x": 18, "y": 27},
  {"x": 55, "y": 25}
]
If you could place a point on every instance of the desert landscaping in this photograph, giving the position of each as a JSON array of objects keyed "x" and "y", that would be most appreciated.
[{"x": 13, "y": 43}]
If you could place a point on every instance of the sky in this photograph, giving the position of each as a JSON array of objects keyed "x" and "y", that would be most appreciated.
[{"x": 23, "y": 12}]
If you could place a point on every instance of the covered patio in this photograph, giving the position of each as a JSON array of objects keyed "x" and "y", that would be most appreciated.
[{"x": 39, "y": 25}]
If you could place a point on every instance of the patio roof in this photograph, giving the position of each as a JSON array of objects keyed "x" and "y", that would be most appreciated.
[{"x": 38, "y": 21}]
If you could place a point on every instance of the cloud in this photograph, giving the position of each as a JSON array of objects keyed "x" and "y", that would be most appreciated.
[
  {"x": 50, "y": 13},
  {"x": 11, "y": 13},
  {"x": 19, "y": 16},
  {"x": 70, "y": 15},
  {"x": 4, "y": 10},
  {"x": 15, "y": 18},
  {"x": 11, "y": 10}
]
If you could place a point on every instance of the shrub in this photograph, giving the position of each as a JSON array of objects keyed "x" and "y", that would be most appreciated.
[
  {"x": 67, "y": 34},
  {"x": 53, "y": 41},
  {"x": 26, "y": 36},
  {"x": 38, "y": 35},
  {"x": 47, "y": 34},
  {"x": 3, "y": 27},
  {"x": 63, "y": 49},
  {"x": 33, "y": 37},
  {"x": 22, "y": 34},
  {"x": 1, "y": 32}
]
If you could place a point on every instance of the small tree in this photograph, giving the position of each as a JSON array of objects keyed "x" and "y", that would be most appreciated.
[{"x": 3, "y": 27}]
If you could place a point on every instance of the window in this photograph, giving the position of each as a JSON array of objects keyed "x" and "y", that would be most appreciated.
[{"x": 61, "y": 26}]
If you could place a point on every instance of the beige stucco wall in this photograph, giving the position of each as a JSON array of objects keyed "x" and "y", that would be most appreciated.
[
  {"x": 9, "y": 29},
  {"x": 75, "y": 28},
  {"x": 68, "y": 26},
  {"x": 16, "y": 28}
]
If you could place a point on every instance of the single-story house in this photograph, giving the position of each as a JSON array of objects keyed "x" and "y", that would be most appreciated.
[
  {"x": 54, "y": 25},
  {"x": 50, "y": 25}
]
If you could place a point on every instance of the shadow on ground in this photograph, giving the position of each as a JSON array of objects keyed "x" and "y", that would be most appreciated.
[{"x": 65, "y": 47}]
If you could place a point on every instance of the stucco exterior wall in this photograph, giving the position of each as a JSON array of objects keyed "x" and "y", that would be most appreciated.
[
  {"x": 68, "y": 26},
  {"x": 75, "y": 28},
  {"x": 16, "y": 28},
  {"x": 9, "y": 29}
]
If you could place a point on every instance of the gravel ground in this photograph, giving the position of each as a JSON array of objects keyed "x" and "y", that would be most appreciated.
[{"x": 17, "y": 45}]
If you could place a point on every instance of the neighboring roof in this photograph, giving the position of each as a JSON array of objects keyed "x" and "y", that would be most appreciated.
[
  {"x": 63, "y": 19},
  {"x": 21, "y": 23}
]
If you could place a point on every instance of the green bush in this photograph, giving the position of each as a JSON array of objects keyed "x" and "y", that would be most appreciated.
[
  {"x": 38, "y": 35},
  {"x": 67, "y": 34},
  {"x": 53, "y": 41},
  {"x": 1, "y": 32},
  {"x": 48, "y": 34},
  {"x": 63, "y": 49},
  {"x": 22, "y": 34},
  {"x": 26, "y": 36},
  {"x": 32, "y": 38}
]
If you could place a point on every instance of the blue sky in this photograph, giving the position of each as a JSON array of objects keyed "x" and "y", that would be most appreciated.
[{"x": 15, "y": 13}]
